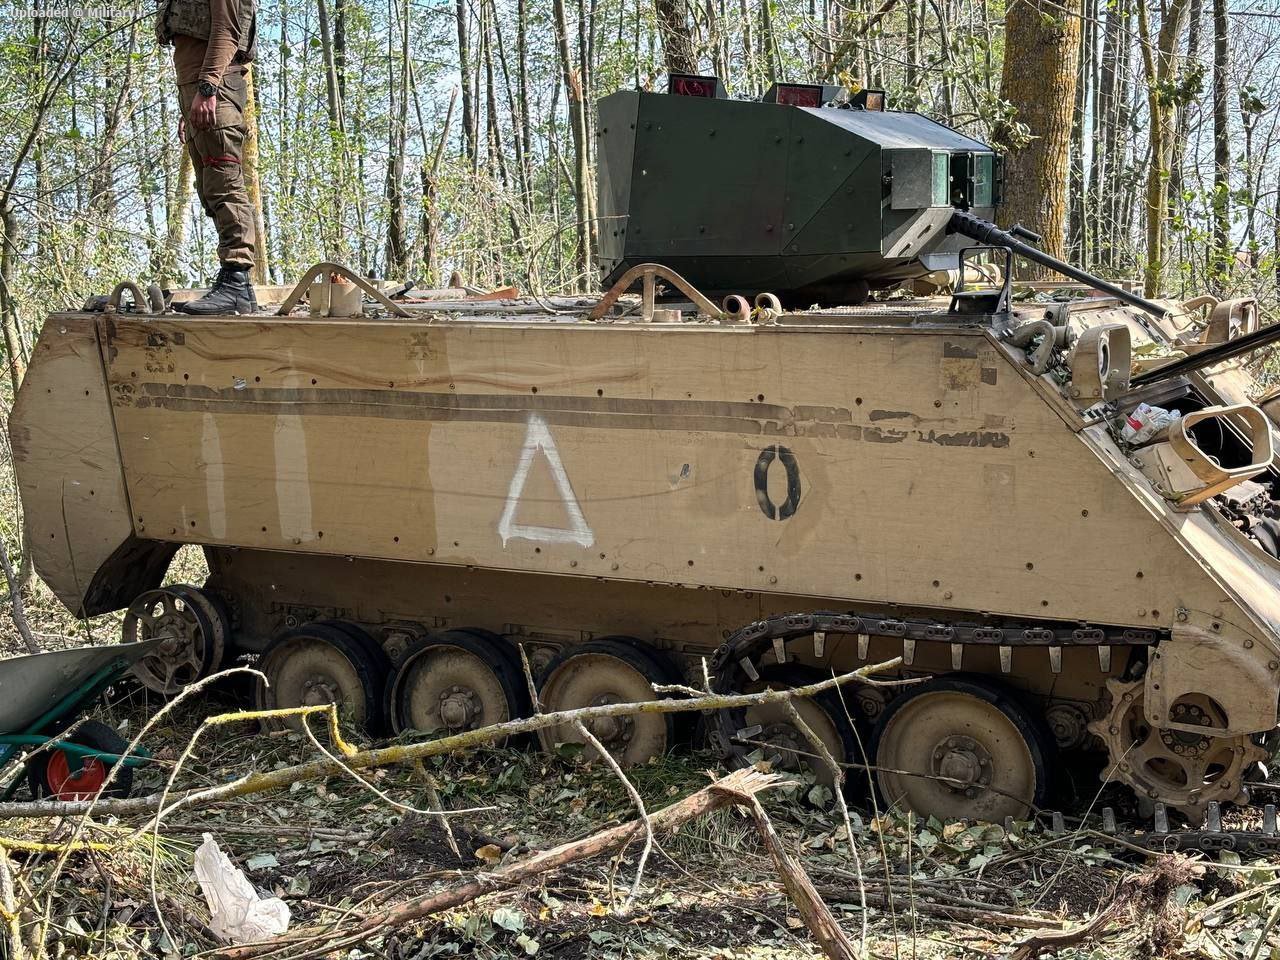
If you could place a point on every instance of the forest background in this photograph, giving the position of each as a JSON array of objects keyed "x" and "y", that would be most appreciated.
[
  {"x": 412, "y": 138},
  {"x": 415, "y": 138}
]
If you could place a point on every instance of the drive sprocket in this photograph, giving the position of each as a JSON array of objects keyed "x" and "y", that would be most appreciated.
[{"x": 1183, "y": 770}]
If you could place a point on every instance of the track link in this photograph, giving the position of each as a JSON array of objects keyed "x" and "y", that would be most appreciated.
[
  {"x": 1210, "y": 839},
  {"x": 739, "y": 659}
]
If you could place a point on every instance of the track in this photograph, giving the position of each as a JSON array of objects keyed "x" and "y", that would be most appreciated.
[
  {"x": 1212, "y": 838},
  {"x": 1163, "y": 768}
]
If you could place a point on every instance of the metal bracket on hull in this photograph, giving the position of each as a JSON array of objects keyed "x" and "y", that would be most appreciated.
[
  {"x": 325, "y": 266},
  {"x": 648, "y": 273}
]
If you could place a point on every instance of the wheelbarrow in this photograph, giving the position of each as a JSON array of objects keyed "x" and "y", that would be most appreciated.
[{"x": 41, "y": 697}]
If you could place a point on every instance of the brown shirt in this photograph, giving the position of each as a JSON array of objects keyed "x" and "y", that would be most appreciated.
[{"x": 195, "y": 59}]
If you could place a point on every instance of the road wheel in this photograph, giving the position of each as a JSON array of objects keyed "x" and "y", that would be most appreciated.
[
  {"x": 456, "y": 680},
  {"x": 784, "y": 745},
  {"x": 56, "y": 774},
  {"x": 961, "y": 747},
  {"x": 602, "y": 672},
  {"x": 195, "y": 632},
  {"x": 320, "y": 663}
]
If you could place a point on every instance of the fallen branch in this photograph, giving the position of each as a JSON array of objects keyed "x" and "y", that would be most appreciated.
[
  {"x": 9, "y": 910},
  {"x": 837, "y": 776},
  {"x": 1142, "y": 895},
  {"x": 259, "y": 782},
  {"x": 988, "y": 916},
  {"x": 612, "y": 762},
  {"x": 816, "y": 914},
  {"x": 738, "y": 787}
]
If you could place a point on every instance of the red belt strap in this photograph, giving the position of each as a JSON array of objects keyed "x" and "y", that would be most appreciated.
[{"x": 213, "y": 160}]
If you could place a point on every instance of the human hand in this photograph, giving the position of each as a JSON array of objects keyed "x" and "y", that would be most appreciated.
[
  {"x": 182, "y": 129},
  {"x": 204, "y": 111}
]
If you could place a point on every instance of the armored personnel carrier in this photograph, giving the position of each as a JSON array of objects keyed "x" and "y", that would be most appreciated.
[{"x": 1060, "y": 515}]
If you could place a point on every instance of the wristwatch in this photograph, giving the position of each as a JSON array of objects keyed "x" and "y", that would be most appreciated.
[{"x": 206, "y": 89}]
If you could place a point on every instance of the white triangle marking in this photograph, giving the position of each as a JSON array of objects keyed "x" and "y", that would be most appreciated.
[{"x": 538, "y": 437}]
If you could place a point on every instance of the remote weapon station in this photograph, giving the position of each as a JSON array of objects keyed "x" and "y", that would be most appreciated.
[{"x": 1060, "y": 514}]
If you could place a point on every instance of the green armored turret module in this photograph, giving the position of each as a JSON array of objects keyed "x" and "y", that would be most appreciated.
[
  {"x": 1063, "y": 518},
  {"x": 817, "y": 204}
]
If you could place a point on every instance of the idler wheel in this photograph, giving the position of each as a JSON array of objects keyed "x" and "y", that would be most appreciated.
[
  {"x": 961, "y": 748},
  {"x": 454, "y": 681},
  {"x": 325, "y": 663},
  {"x": 785, "y": 745},
  {"x": 195, "y": 632},
  {"x": 609, "y": 670}
]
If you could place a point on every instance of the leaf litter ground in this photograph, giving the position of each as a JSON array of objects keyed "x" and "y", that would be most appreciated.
[{"x": 333, "y": 850}]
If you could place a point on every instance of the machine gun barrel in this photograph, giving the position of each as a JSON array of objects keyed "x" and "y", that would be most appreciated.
[
  {"x": 1262, "y": 337},
  {"x": 986, "y": 232}
]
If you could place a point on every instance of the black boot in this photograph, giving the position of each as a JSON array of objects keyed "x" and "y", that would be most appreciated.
[{"x": 231, "y": 293}]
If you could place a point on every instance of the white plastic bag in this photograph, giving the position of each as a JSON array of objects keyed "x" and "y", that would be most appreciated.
[
  {"x": 1146, "y": 421},
  {"x": 239, "y": 915}
]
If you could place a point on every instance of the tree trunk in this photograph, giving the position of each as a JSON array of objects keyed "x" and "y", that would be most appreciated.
[
  {"x": 332, "y": 89},
  {"x": 397, "y": 251},
  {"x": 464, "y": 74},
  {"x": 677, "y": 42},
  {"x": 1183, "y": 123},
  {"x": 496, "y": 150},
  {"x": 520, "y": 142},
  {"x": 1042, "y": 42},
  {"x": 748, "y": 50},
  {"x": 176, "y": 225},
  {"x": 768, "y": 42},
  {"x": 1275, "y": 237},
  {"x": 1221, "y": 260},
  {"x": 522, "y": 80},
  {"x": 253, "y": 180},
  {"x": 8, "y": 308},
  {"x": 102, "y": 198},
  {"x": 340, "y": 48},
  {"x": 1106, "y": 138},
  {"x": 1080, "y": 234},
  {"x": 430, "y": 216},
  {"x": 581, "y": 175},
  {"x": 1160, "y": 65}
]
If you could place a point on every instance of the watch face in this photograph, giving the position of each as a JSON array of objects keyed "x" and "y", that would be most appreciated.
[{"x": 207, "y": 89}]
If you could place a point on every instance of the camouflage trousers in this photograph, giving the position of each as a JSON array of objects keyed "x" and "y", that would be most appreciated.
[{"x": 217, "y": 157}]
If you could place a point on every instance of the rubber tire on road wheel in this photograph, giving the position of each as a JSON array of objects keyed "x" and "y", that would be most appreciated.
[
  {"x": 472, "y": 644},
  {"x": 367, "y": 674},
  {"x": 631, "y": 654},
  {"x": 852, "y": 741},
  {"x": 685, "y": 723},
  {"x": 1020, "y": 721},
  {"x": 217, "y": 616},
  {"x": 51, "y": 762}
]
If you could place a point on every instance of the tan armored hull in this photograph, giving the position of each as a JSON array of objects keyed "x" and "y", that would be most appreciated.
[{"x": 556, "y": 481}]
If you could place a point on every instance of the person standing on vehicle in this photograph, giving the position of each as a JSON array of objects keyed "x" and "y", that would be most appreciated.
[{"x": 213, "y": 43}]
